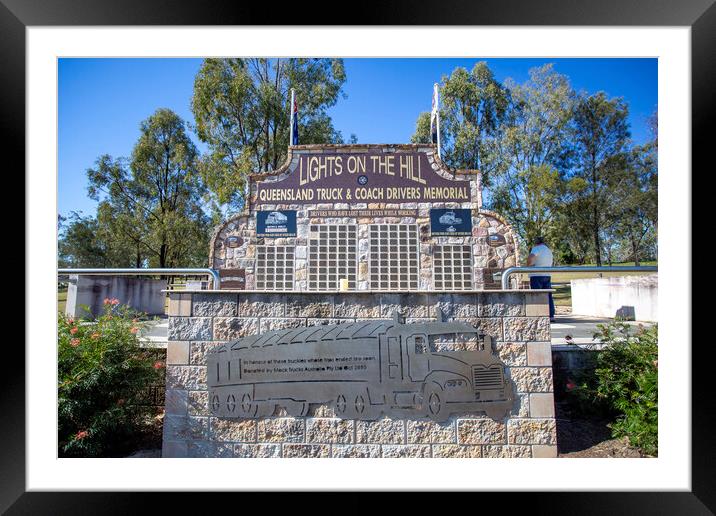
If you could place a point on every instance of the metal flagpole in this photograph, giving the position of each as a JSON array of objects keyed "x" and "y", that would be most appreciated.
[
  {"x": 437, "y": 114},
  {"x": 290, "y": 136}
]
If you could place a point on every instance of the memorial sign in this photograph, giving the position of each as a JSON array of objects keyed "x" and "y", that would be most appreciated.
[
  {"x": 449, "y": 222},
  {"x": 363, "y": 370},
  {"x": 374, "y": 176},
  {"x": 276, "y": 224}
]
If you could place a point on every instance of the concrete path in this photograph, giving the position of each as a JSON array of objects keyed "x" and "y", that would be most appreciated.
[
  {"x": 580, "y": 329},
  {"x": 154, "y": 334}
]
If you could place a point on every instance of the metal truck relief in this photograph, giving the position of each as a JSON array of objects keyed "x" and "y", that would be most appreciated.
[{"x": 363, "y": 370}]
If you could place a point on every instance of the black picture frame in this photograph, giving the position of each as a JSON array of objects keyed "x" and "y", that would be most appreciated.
[{"x": 700, "y": 15}]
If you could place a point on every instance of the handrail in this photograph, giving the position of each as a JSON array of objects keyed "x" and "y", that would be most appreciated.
[
  {"x": 144, "y": 272},
  {"x": 616, "y": 268}
]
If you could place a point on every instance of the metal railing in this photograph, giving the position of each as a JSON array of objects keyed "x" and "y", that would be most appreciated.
[
  {"x": 213, "y": 273},
  {"x": 617, "y": 268}
]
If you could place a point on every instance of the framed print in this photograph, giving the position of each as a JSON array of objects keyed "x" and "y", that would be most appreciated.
[{"x": 350, "y": 256}]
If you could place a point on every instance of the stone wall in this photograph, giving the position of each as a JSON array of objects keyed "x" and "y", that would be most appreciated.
[
  {"x": 143, "y": 294},
  {"x": 632, "y": 297},
  {"x": 487, "y": 260},
  {"x": 199, "y": 320}
]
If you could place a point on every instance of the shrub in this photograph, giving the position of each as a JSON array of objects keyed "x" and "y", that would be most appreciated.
[
  {"x": 102, "y": 375},
  {"x": 625, "y": 380}
]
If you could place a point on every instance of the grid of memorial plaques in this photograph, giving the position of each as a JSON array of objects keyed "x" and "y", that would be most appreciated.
[
  {"x": 274, "y": 267},
  {"x": 394, "y": 257},
  {"x": 452, "y": 267},
  {"x": 332, "y": 257}
]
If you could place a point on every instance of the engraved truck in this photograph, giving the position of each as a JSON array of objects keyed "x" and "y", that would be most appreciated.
[{"x": 363, "y": 370}]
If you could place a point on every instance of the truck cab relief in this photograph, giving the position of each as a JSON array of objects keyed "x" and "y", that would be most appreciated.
[{"x": 363, "y": 370}]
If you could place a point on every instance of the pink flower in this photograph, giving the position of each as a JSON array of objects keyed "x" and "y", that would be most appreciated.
[
  {"x": 158, "y": 365},
  {"x": 571, "y": 385},
  {"x": 74, "y": 343},
  {"x": 114, "y": 301},
  {"x": 74, "y": 330},
  {"x": 95, "y": 335},
  {"x": 134, "y": 329},
  {"x": 106, "y": 301},
  {"x": 81, "y": 435}
]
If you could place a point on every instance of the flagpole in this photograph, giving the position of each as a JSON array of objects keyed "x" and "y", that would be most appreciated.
[
  {"x": 290, "y": 136},
  {"x": 437, "y": 102}
]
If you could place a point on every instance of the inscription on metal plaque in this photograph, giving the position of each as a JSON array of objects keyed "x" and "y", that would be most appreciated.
[{"x": 363, "y": 370}]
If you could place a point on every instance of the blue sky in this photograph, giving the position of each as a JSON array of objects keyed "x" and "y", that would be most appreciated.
[{"x": 102, "y": 101}]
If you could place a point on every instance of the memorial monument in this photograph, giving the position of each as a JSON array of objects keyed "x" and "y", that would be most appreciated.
[{"x": 359, "y": 315}]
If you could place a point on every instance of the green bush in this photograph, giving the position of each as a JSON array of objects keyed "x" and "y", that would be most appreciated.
[
  {"x": 102, "y": 375},
  {"x": 625, "y": 380}
]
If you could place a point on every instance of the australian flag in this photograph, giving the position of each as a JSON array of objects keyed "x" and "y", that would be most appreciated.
[{"x": 294, "y": 121}]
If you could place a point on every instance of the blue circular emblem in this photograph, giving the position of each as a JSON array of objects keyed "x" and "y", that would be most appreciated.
[{"x": 362, "y": 180}]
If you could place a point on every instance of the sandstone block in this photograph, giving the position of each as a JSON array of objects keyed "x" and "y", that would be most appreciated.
[
  {"x": 269, "y": 324},
  {"x": 539, "y": 353},
  {"x": 532, "y": 431},
  {"x": 396, "y": 451},
  {"x": 175, "y": 402},
  {"x": 532, "y": 379},
  {"x": 527, "y": 329},
  {"x": 501, "y": 304},
  {"x": 410, "y": 305},
  {"x": 232, "y": 328},
  {"x": 356, "y": 451},
  {"x": 177, "y": 352},
  {"x": 444, "y": 451},
  {"x": 348, "y": 305},
  {"x": 506, "y": 452},
  {"x": 316, "y": 306},
  {"x": 233, "y": 430},
  {"x": 544, "y": 451},
  {"x": 198, "y": 351},
  {"x": 306, "y": 451},
  {"x": 179, "y": 305},
  {"x": 214, "y": 305},
  {"x": 257, "y": 451},
  {"x": 431, "y": 432},
  {"x": 186, "y": 377},
  {"x": 325, "y": 430},
  {"x": 513, "y": 354},
  {"x": 261, "y": 305},
  {"x": 185, "y": 428},
  {"x": 198, "y": 403},
  {"x": 207, "y": 449},
  {"x": 542, "y": 404},
  {"x": 282, "y": 429},
  {"x": 189, "y": 328},
  {"x": 480, "y": 431},
  {"x": 384, "y": 430}
]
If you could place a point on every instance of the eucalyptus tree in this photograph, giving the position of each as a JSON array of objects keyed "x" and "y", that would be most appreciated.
[
  {"x": 601, "y": 136},
  {"x": 241, "y": 110},
  {"x": 473, "y": 105},
  {"x": 153, "y": 202}
]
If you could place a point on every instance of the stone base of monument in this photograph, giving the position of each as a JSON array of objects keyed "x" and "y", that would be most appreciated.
[{"x": 517, "y": 321}]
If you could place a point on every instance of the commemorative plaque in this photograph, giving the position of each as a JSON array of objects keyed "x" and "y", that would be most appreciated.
[
  {"x": 275, "y": 224},
  {"x": 449, "y": 222},
  {"x": 363, "y": 370},
  {"x": 362, "y": 177}
]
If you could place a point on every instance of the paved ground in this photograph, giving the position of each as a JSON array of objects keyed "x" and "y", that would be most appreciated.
[{"x": 580, "y": 329}]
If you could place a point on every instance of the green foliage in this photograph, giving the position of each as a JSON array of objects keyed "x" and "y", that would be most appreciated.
[
  {"x": 102, "y": 375},
  {"x": 152, "y": 205},
  {"x": 84, "y": 242},
  {"x": 555, "y": 162},
  {"x": 625, "y": 380},
  {"x": 241, "y": 109}
]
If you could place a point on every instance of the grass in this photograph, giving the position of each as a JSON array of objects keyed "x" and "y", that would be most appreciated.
[{"x": 61, "y": 300}]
